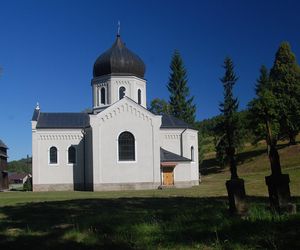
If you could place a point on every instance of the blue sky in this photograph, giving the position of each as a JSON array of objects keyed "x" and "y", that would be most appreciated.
[{"x": 48, "y": 48}]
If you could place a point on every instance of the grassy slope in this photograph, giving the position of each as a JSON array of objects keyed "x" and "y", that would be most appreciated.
[{"x": 194, "y": 218}]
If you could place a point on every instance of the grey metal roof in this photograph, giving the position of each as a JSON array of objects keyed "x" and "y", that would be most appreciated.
[
  {"x": 2, "y": 144},
  {"x": 63, "y": 120},
  {"x": 169, "y": 121},
  {"x": 119, "y": 60},
  {"x": 167, "y": 156}
]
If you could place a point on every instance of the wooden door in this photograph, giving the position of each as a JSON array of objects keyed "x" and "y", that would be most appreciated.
[{"x": 168, "y": 175}]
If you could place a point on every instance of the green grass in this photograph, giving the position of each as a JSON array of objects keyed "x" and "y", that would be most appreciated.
[
  {"x": 192, "y": 218},
  {"x": 144, "y": 223}
]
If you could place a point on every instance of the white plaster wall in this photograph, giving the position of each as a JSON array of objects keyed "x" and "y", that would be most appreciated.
[
  {"x": 89, "y": 158},
  {"x": 170, "y": 140},
  {"x": 113, "y": 83},
  {"x": 125, "y": 115},
  {"x": 61, "y": 173},
  {"x": 182, "y": 172},
  {"x": 190, "y": 138}
]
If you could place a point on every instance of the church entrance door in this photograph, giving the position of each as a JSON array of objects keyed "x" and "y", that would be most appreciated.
[{"x": 168, "y": 176}]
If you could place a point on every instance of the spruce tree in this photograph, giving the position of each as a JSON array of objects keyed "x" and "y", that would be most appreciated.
[
  {"x": 228, "y": 129},
  {"x": 285, "y": 85},
  {"x": 181, "y": 104},
  {"x": 230, "y": 139}
]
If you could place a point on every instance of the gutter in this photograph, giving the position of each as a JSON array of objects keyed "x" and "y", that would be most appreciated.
[{"x": 84, "y": 181}]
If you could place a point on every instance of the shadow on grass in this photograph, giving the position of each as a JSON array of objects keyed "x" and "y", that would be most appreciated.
[
  {"x": 210, "y": 166},
  {"x": 144, "y": 223},
  {"x": 247, "y": 156}
]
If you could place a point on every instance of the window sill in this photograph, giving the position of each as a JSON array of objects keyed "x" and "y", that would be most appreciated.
[
  {"x": 53, "y": 164},
  {"x": 126, "y": 162}
]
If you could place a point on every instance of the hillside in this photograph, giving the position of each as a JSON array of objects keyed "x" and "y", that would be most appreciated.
[
  {"x": 253, "y": 166},
  {"x": 253, "y": 158},
  {"x": 21, "y": 166}
]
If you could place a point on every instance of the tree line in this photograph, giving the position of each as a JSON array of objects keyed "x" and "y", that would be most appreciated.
[
  {"x": 272, "y": 115},
  {"x": 277, "y": 99}
]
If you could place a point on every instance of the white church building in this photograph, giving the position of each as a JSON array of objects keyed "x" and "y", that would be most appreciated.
[{"x": 119, "y": 144}]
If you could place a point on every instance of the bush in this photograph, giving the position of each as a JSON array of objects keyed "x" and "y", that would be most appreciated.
[{"x": 28, "y": 185}]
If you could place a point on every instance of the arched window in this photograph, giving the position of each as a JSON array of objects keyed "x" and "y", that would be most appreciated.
[
  {"x": 103, "y": 95},
  {"x": 192, "y": 153},
  {"x": 98, "y": 97},
  {"x": 121, "y": 92},
  {"x": 139, "y": 97},
  {"x": 53, "y": 155},
  {"x": 72, "y": 155},
  {"x": 126, "y": 147}
]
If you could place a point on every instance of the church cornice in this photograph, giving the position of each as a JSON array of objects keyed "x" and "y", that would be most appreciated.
[
  {"x": 107, "y": 78},
  {"x": 56, "y": 137}
]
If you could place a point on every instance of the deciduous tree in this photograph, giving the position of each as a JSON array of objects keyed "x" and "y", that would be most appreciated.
[{"x": 159, "y": 106}]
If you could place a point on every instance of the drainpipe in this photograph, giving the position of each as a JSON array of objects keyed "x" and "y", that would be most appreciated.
[
  {"x": 83, "y": 136},
  {"x": 181, "y": 142}
]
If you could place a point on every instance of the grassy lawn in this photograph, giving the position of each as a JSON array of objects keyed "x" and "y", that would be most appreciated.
[
  {"x": 144, "y": 223},
  {"x": 193, "y": 218}
]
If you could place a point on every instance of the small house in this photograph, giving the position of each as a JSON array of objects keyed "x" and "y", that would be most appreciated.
[{"x": 18, "y": 178}]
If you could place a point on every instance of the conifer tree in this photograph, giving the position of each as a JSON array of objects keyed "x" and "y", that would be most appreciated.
[
  {"x": 181, "y": 104},
  {"x": 230, "y": 138},
  {"x": 228, "y": 128},
  {"x": 285, "y": 85}
]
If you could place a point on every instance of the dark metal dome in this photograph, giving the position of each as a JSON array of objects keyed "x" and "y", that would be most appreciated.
[{"x": 119, "y": 60}]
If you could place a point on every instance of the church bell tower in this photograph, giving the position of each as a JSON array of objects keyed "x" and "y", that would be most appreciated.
[{"x": 118, "y": 72}]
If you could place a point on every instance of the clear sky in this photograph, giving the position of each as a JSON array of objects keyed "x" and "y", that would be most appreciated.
[{"x": 48, "y": 48}]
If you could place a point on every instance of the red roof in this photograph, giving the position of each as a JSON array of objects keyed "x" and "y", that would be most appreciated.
[{"x": 18, "y": 176}]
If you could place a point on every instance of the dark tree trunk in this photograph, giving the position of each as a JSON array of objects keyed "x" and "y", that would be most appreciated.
[
  {"x": 232, "y": 162},
  {"x": 274, "y": 159}
]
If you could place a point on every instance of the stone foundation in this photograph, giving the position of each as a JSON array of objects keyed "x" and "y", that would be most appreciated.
[
  {"x": 52, "y": 187},
  {"x": 109, "y": 186},
  {"x": 125, "y": 186}
]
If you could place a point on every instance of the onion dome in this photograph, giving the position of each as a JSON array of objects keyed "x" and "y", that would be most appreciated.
[{"x": 119, "y": 60}]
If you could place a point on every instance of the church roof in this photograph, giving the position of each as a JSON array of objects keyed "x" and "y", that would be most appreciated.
[
  {"x": 63, "y": 120},
  {"x": 169, "y": 121},
  {"x": 167, "y": 156},
  {"x": 119, "y": 60},
  {"x": 2, "y": 144}
]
